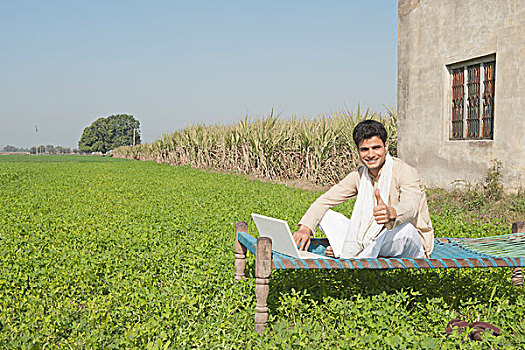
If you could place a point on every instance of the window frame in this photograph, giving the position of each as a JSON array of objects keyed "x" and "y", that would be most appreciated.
[{"x": 479, "y": 127}]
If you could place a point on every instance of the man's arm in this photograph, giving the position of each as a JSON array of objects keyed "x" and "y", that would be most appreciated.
[{"x": 344, "y": 190}]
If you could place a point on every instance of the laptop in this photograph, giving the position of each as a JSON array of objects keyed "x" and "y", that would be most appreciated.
[{"x": 282, "y": 239}]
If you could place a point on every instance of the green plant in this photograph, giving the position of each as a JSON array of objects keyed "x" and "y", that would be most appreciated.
[
  {"x": 475, "y": 196},
  {"x": 492, "y": 187},
  {"x": 318, "y": 150},
  {"x": 518, "y": 203}
]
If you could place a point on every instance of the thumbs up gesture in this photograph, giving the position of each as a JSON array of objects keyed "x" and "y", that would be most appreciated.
[{"x": 383, "y": 213}]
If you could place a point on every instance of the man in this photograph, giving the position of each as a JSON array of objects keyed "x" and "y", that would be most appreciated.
[{"x": 390, "y": 216}]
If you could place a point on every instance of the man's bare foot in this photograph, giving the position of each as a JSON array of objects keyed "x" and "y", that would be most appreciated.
[{"x": 329, "y": 252}]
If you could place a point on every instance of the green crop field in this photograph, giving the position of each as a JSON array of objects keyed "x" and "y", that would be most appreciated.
[{"x": 110, "y": 253}]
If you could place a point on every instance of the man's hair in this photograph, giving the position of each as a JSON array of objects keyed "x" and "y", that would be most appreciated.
[{"x": 368, "y": 129}]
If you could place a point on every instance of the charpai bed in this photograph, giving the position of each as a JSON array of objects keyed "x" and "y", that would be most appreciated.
[{"x": 497, "y": 251}]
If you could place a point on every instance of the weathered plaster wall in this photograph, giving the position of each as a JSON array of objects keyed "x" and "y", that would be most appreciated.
[{"x": 433, "y": 34}]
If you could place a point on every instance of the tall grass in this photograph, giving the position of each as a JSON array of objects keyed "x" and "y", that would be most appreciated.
[{"x": 319, "y": 150}]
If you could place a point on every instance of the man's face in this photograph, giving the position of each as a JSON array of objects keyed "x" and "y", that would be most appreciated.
[{"x": 372, "y": 153}]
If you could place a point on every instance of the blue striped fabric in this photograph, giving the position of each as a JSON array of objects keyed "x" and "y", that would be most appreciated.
[{"x": 450, "y": 254}]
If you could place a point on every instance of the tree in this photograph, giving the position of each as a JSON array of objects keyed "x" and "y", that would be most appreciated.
[
  {"x": 50, "y": 149},
  {"x": 41, "y": 150},
  {"x": 62, "y": 150},
  {"x": 105, "y": 134},
  {"x": 10, "y": 149}
]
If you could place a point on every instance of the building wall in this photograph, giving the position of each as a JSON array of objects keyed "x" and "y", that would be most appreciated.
[{"x": 433, "y": 34}]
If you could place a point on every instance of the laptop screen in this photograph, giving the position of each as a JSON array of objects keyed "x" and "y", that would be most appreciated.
[{"x": 279, "y": 232}]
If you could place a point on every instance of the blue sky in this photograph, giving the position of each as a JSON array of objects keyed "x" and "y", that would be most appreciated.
[{"x": 64, "y": 64}]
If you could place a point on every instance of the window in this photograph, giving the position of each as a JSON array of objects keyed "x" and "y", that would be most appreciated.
[{"x": 472, "y": 99}]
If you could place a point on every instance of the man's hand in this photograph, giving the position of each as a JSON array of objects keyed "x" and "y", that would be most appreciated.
[
  {"x": 302, "y": 237},
  {"x": 383, "y": 213}
]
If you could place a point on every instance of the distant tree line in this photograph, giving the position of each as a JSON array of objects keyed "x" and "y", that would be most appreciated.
[
  {"x": 48, "y": 149},
  {"x": 102, "y": 136},
  {"x": 13, "y": 149}
]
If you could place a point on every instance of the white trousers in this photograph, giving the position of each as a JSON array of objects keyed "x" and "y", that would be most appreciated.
[{"x": 402, "y": 241}]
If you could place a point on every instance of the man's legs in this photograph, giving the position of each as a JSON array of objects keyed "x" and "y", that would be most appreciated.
[{"x": 402, "y": 241}]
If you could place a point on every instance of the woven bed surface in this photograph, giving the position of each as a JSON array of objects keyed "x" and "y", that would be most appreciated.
[{"x": 496, "y": 251}]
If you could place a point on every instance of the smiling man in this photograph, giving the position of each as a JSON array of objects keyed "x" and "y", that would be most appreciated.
[{"x": 390, "y": 216}]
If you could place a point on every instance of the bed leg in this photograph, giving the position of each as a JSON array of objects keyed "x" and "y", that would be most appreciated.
[
  {"x": 517, "y": 274},
  {"x": 240, "y": 251},
  {"x": 263, "y": 268},
  {"x": 517, "y": 277}
]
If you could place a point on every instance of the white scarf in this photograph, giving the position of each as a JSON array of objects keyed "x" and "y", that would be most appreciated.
[{"x": 363, "y": 229}]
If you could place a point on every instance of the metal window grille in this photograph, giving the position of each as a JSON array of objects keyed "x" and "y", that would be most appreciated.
[
  {"x": 457, "y": 103},
  {"x": 473, "y": 102},
  {"x": 488, "y": 100},
  {"x": 472, "y": 99}
]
